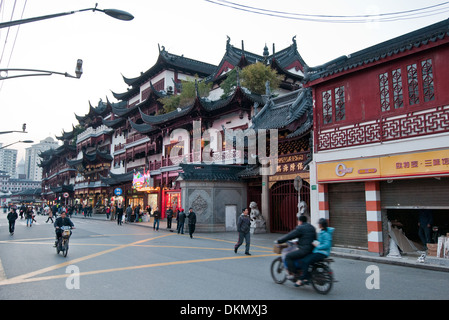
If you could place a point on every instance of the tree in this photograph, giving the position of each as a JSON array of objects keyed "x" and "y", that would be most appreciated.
[
  {"x": 256, "y": 75},
  {"x": 187, "y": 95},
  {"x": 253, "y": 77}
]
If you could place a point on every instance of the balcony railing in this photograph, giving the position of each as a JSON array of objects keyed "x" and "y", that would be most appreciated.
[{"x": 224, "y": 157}]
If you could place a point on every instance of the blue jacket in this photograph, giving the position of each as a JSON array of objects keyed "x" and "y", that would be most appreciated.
[{"x": 325, "y": 239}]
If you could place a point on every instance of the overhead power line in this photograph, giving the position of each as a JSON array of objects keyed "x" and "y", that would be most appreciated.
[{"x": 381, "y": 17}]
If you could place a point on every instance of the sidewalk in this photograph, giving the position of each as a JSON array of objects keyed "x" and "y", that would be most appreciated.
[{"x": 267, "y": 239}]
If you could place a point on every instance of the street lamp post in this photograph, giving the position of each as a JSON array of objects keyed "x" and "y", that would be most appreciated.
[
  {"x": 24, "y": 127},
  {"x": 114, "y": 13},
  {"x": 117, "y": 14},
  {"x": 21, "y": 141},
  {"x": 4, "y": 73}
]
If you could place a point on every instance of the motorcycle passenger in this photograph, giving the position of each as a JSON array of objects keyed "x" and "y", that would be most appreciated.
[
  {"x": 320, "y": 252},
  {"x": 60, "y": 222},
  {"x": 306, "y": 234}
]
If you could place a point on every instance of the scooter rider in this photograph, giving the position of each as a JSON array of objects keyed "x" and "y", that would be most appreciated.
[
  {"x": 306, "y": 234},
  {"x": 60, "y": 222}
]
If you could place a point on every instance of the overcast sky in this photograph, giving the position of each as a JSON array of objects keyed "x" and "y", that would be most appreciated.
[{"x": 197, "y": 29}]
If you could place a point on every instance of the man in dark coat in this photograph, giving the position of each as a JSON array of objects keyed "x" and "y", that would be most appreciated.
[
  {"x": 12, "y": 217},
  {"x": 244, "y": 228},
  {"x": 181, "y": 219},
  {"x": 192, "y": 222},
  {"x": 169, "y": 214},
  {"x": 306, "y": 234},
  {"x": 62, "y": 221}
]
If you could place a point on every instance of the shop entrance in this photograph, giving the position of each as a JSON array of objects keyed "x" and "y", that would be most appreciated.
[{"x": 407, "y": 220}]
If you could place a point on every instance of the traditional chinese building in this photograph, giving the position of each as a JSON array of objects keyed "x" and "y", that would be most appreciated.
[
  {"x": 58, "y": 178},
  {"x": 144, "y": 139},
  {"x": 291, "y": 116},
  {"x": 381, "y": 138},
  {"x": 93, "y": 158}
]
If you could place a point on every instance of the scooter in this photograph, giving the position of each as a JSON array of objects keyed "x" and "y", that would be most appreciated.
[
  {"x": 321, "y": 274},
  {"x": 63, "y": 242}
]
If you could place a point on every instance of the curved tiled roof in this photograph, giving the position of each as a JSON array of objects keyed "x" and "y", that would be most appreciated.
[
  {"x": 202, "y": 103},
  {"x": 383, "y": 50},
  {"x": 165, "y": 60},
  {"x": 280, "y": 112}
]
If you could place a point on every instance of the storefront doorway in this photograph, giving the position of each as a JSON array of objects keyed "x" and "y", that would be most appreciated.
[{"x": 407, "y": 220}]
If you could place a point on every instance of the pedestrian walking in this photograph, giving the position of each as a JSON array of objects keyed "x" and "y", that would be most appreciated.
[
  {"x": 192, "y": 222},
  {"x": 29, "y": 216},
  {"x": 119, "y": 214},
  {"x": 22, "y": 211},
  {"x": 33, "y": 214},
  {"x": 54, "y": 210},
  {"x": 50, "y": 215},
  {"x": 243, "y": 228},
  {"x": 108, "y": 212},
  {"x": 128, "y": 213},
  {"x": 12, "y": 217},
  {"x": 136, "y": 213},
  {"x": 169, "y": 214},
  {"x": 113, "y": 211},
  {"x": 156, "y": 216},
  {"x": 181, "y": 219}
]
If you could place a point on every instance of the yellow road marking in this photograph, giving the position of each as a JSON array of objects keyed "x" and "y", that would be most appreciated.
[
  {"x": 61, "y": 265},
  {"x": 18, "y": 280},
  {"x": 31, "y": 277},
  {"x": 2, "y": 272}
]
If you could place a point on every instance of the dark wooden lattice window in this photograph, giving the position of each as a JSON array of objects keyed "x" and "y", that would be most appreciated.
[
  {"x": 384, "y": 92},
  {"x": 398, "y": 96},
  {"x": 331, "y": 98},
  {"x": 427, "y": 78},
  {"x": 340, "y": 103},
  {"x": 420, "y": 82},
  {"x": 327, "y": 106},
  {"x": 413, "y": 86}
]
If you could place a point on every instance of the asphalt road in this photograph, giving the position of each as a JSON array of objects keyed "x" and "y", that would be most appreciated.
[{"x": 109, "y": 262}]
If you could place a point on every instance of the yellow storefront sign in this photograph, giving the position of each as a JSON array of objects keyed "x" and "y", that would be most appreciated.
[{"x": 404, "y": 165}]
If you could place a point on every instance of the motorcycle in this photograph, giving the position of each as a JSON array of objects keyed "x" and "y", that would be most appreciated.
[
  {"x": 321, "y": 274},
  {"x": 63, "y": 241}
]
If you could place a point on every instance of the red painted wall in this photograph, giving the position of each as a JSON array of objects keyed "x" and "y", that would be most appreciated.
[{"x": 362, "y": 89}]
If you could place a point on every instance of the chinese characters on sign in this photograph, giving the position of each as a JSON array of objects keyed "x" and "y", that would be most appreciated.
[
  {"x": 428, "y": 163},
  {"x": 425, "y": 163},
  {"x": 292, "y": 163}
]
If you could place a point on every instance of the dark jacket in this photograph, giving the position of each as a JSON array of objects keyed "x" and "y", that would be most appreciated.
[
  {"x": 169, "y": 213},
  {"x": 156, "y": 214},
  {"x": 181, "y": 217},
  {"x": 12, "y": 216},
  {"x": 305, "y": 233},
  {"x": 244, "y": 223},
  {"x": 61, "y": 222},
  {"x": 192, "y": 217}
]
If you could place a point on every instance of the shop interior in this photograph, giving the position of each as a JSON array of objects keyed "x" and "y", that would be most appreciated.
[{"x": 407, "y": 220}]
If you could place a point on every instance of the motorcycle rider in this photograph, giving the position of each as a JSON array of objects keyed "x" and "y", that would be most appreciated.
[
  {"x": 306, "y": 234},
  {"x": 60, "y": 222},
  {"x": 322, "y": 249}
]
